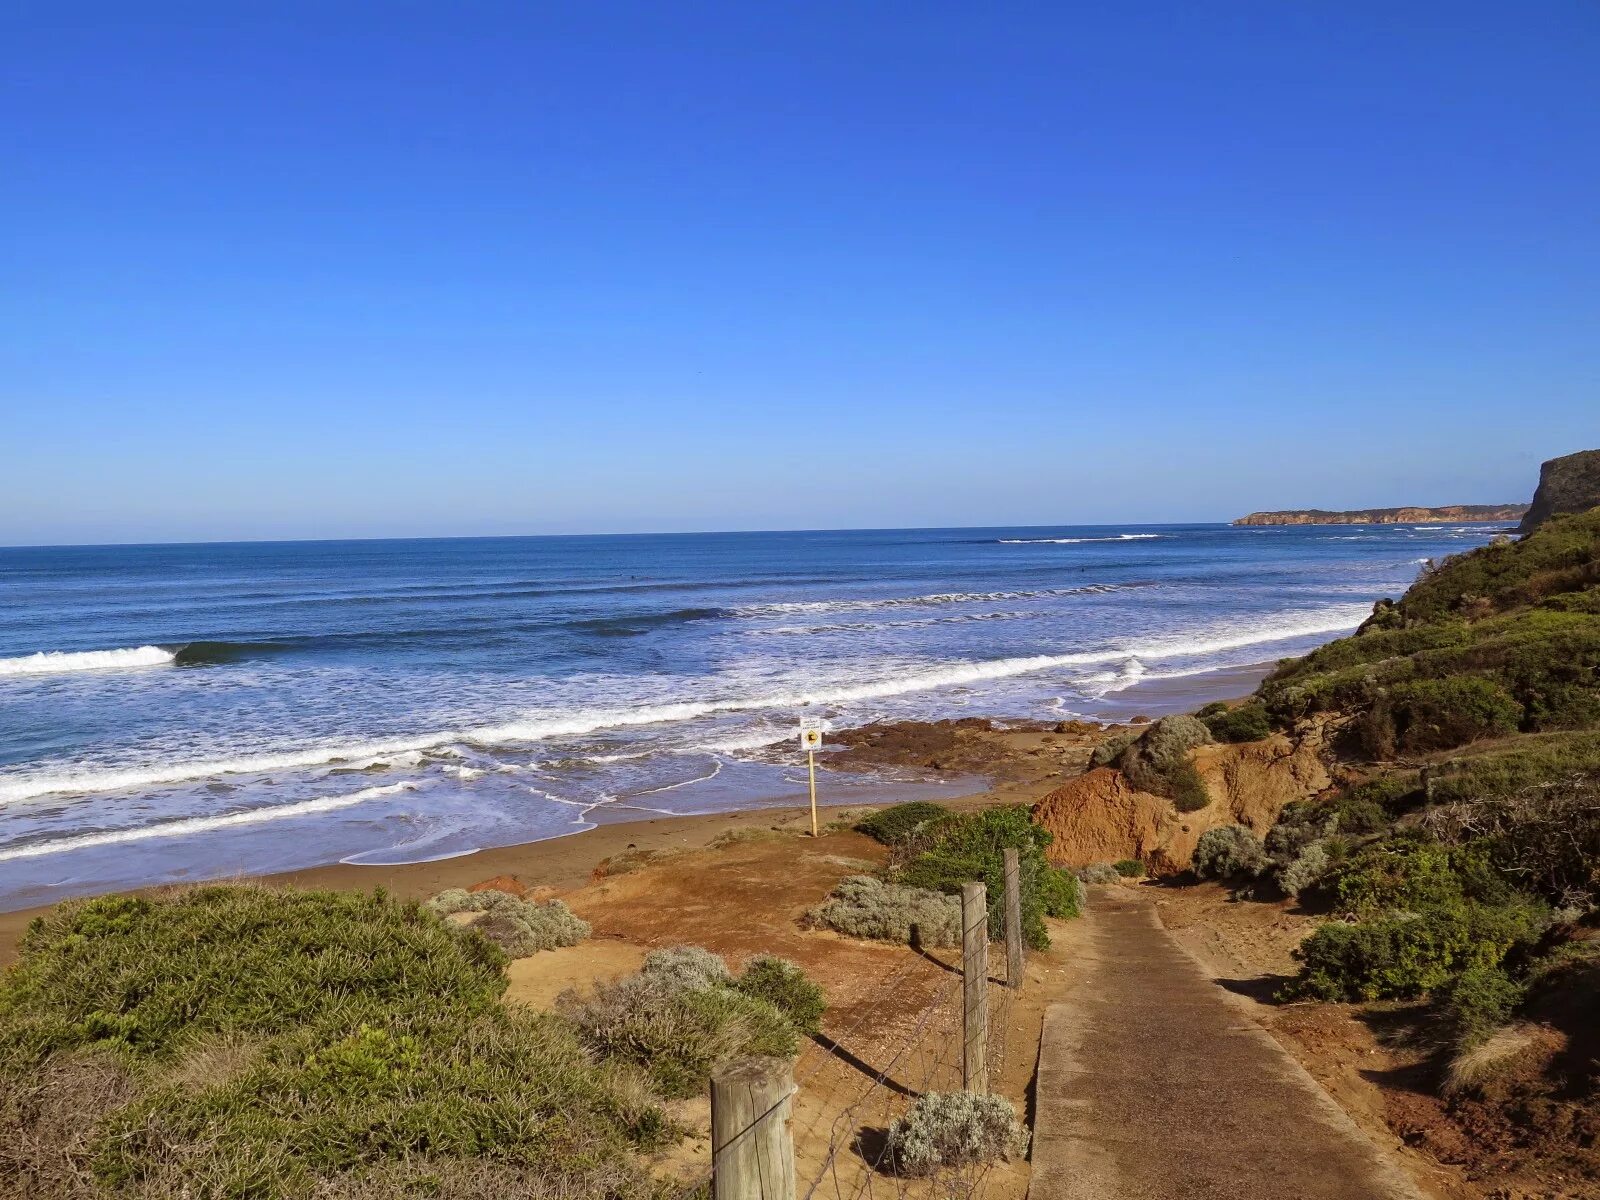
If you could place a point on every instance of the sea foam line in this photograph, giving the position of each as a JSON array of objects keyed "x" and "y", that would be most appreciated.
[
  {"x": 1334, "y": 619},
  {"x": 188, "y": 825},
  {"x": 55, "y": 662},
  {"x": 1076, "y": 541}
]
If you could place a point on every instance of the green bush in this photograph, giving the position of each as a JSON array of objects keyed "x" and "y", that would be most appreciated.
[
  {"x": 865, "y": 907},
  {"x": 1129, "y": 868},
  {"x": 1248, "y": 722},
  {"x": 784, "y": 985},
  {"x": 1412, "y": 872},
  {"x": 1184, "y": 785},
  {"x": 1228, "y": 852},
  {"x": 363, "y": 1035},
  {"x": 1305, "y": 870},
  {"x": 686, "y": 968},
  {"x": 1438, "y": 714},
  {"x": 1408, "y": 954},
  {"x": 1477, "y": 1002},
  {"x": 893, "y": 826},
  {"x": 952, "y": 1129},
  {"x": 969, "y": 848}
]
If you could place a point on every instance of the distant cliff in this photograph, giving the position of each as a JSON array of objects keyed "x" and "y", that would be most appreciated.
[
  {"x": 1568, "y": 484},
  {"x": 1448, "y": 514}
]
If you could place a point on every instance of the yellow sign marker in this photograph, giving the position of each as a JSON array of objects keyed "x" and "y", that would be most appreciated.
[{"x": 811, "y": 742}]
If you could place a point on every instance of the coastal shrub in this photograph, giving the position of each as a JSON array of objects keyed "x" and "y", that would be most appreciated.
[
  {"x": 281, "y": 1044},
  {"x": 784, "y": 985},
  {"x": 518, "y": 927},
  {"x": 969, "y": 847},
  {"x": 1129, "y": 868},
  {"x": 1184, "y": 785},
  {"x": 1406, "y": 953},
  {"x": 686, "y": 968},
  {"x": 950, "y": 1129},
  {"x": 1248, "y": 722},
  {"x": 1227, "y": 852},
  {"x": 678, "y": 1022},
  {"x": 895, "y": 825},
  {"x": 1108, "y": 751},
  {"x": 1547, "y": 835},
  {"x": 1411, "y": 872},
  {"x": 1305, "y": 870},
  {"x": 1098, "y": 873},
  {"x": 1439, "y": 714},
  {"x": 866, "y": 907},
  {"x": 1477, "y": 1002},
  {"x": 1158, "y": 762}
]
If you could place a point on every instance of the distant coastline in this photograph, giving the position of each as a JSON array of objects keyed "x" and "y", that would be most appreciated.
[{"x": 1452, "y": 513}]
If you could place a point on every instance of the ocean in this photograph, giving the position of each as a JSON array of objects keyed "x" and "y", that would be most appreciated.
[{"x": 193, "y": 711}]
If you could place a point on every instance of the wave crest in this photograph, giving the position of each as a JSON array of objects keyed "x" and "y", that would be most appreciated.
[{"x": 53, "y": 662}]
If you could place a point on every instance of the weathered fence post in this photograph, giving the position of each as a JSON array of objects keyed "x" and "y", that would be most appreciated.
[
  {"x": 975, "y": 986},
  {"x": 1013, "y": 871},
  {"x": 752, "y": 1149}
]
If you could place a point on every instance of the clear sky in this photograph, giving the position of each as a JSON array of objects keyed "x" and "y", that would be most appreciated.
[{"x": 325, "y": 269}]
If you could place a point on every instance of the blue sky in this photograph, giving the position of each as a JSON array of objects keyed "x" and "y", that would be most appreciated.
[{"x": 393, "y": 269}]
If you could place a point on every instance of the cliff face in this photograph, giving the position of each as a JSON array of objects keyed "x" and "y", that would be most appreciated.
[
  {"x": 1449, "y": 513},
  {"x": 1568, "y": 484}
]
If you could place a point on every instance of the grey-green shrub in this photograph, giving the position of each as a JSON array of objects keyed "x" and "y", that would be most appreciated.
[
  {"x": 692, "y": 968},
  {"x": 1156, "y": 760},
  {"x": 951, "y": 1129},
  {"x": 865, "y": 907},
  {"x": 1227, "y": 852},
  {"x": 1307, "y": 868},
  {"x": 517, "y": 926},
  {"x": 1100, "y": 873},
  {"x": 678, "y": 1024}
]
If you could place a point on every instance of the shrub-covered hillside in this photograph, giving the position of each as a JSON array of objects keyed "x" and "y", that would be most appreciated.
[
  {"x": 1460, "y": 861},
  {"x": 1502, "y": 640}
]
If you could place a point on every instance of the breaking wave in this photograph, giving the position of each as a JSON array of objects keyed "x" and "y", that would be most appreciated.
[
  {"x": 50, "y": 662},
  {"x": 1065, "y": 541},
  {"x": 191, "y": 825},
  {"x": 1284, "y": 626}
]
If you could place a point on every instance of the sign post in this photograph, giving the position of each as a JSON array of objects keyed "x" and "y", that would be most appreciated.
[{"x": 810, "y": 742}]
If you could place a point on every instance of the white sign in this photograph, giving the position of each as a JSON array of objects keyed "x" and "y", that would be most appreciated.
[{"x": 810, "y": 733}]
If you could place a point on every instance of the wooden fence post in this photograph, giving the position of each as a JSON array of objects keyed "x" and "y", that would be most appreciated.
[
  {"x": 1013, "y": 871},
  {"x": 975, "y": 986},
  {"x": 752, "y": 1149}
]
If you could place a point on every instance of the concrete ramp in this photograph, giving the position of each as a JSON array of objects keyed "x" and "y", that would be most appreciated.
[{"x": 1154, "y": 1085}]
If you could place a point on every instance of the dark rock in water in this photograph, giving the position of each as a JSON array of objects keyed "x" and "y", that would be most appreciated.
[{"x": 1568, "y": 484}]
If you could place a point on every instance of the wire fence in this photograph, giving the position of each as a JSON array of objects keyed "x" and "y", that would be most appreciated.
[{"x": 852, "y": 1082}]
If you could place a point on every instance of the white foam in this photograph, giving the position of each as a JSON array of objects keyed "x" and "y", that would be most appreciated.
[
  {"x": 1333, "y": 619},
  {"x": 1121, "y": 537},
  {"x": 52, "y": 662},
  {"x": 191, "y": 825}
]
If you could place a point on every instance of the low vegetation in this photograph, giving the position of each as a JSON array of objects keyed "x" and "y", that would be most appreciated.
[
  {"x": 1462, "y": 874},
  {"x": 241, "y": 1041},
  {"x": 684, "y": 1013},
  {"x": 1156, "y": 760},
  {"x": 517, "y": 926},
  {"x": 954, "y": 1129},
  {"x": 1229, "y": 852},
  {"x": 865, "y": 906},
  {"x": 938, "y": 856}
]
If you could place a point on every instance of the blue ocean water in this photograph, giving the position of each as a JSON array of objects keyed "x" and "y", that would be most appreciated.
[{"x": 170, "y": 712}]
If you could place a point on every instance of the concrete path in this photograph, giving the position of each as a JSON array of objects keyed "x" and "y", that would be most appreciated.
[{"x": 1153, "y": 1084}]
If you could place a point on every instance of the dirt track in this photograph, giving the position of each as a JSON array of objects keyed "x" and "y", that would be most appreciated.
[{"x": 1153, "y": 1085}]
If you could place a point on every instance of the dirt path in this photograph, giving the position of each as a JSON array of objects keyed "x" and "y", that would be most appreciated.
[{"x": 1153, "y": 1084}]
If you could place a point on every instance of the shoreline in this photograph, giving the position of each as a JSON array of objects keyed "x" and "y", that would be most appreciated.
[{"x": 568, "y": 861}]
